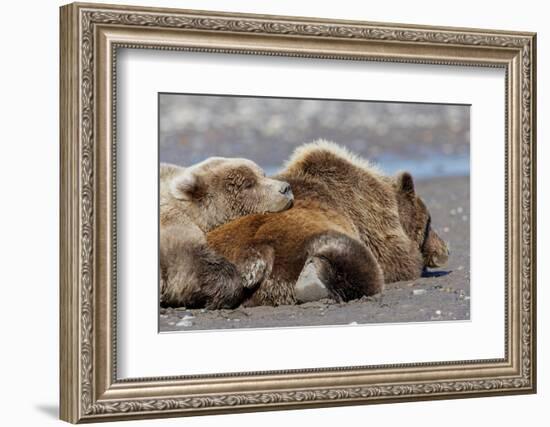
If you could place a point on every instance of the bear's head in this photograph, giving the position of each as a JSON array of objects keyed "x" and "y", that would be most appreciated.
[
  {"x": 219, "y": 190},
  {"x": 416, "y": 221}
]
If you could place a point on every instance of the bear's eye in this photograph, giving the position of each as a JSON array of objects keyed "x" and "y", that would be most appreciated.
[
  {"x": 248, "y": 183},
  {"x": 426, "y": 232}
]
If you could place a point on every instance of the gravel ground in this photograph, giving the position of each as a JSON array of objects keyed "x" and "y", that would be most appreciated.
[{"x": 442, "y": 295}]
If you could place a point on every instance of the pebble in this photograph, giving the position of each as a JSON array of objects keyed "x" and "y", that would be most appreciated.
[
  {"x": 352, "y": 323},
  {"x": 459, "y": 209},
  {"x": 184, "y": 322},
  {"x": 419, "y": 291},
  {"x": 171, "y": 323},
  {"x": 464, "y": 218},
  {"x": 446, "y": 229},
  {"x": 438, "y": 312}
]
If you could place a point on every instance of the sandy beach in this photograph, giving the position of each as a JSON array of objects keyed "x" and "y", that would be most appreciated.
[{"x": 442, "y": 295}]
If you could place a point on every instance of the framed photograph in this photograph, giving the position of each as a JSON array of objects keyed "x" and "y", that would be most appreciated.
[{"x": 267, "y": 212}]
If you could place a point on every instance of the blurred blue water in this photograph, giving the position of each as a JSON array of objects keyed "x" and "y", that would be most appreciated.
[{"x": 430, "y": 166}]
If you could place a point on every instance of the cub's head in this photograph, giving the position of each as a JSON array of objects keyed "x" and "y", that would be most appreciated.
[
  {"x": 416, "y": 221},
  {"x": 219, "y": 190}
]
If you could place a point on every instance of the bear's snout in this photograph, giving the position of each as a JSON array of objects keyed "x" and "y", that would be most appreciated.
[
  {"x": 435, "y": 251},
  {"x": 440, "y": 259},
  {"x": 280, "y": 195},
  {"x": 285, "y": 189}
]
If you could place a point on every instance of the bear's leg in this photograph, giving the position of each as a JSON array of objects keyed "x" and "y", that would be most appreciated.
[
  {"x": 338, "y": 267},
  {"x": 256, "y": 265},
  {"x": 193, "y": 275},
  {"x": 220, "y": 283},
  {"x": 197, "y": 277}
]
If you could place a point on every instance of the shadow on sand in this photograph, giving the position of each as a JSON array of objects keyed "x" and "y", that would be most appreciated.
[{"x": 438, "y": 273}]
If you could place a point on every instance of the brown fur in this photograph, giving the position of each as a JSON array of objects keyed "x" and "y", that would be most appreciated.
[
  {"x": 416, "y": 221},
  {"x": 193, "y": 201},
  {"x": 357, "y": 224}
]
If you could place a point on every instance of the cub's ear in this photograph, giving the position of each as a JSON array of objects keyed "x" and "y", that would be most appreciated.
[
  {"x": 405, "y": 183},
  {"x": 187, "y": 186},
  {"x": 167, "y": 171}
]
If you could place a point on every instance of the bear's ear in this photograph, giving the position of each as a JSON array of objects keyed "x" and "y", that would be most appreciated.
[
  {"x": 405, "y": 183},
  {"x": 186, "y": 186}
]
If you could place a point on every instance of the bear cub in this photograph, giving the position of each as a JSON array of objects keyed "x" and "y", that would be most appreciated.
[{"x": 195, "y": 200}]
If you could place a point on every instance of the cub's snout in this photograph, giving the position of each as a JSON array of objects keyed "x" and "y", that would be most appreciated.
[{"x": 281, "y": 195}]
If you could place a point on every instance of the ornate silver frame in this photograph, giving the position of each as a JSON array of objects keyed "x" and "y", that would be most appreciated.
[{"x": 90, "y": 36}]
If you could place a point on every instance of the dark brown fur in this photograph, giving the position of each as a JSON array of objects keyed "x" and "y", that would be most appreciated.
[
  {"x": 346, "y": 215},
  {"x": 194, "y": 276},
  {"x": 416, "y": 221}
]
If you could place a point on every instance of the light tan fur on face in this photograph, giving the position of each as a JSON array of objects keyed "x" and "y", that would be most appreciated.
[{"x": 218, "y": 190}]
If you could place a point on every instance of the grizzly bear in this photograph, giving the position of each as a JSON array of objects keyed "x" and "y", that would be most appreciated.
[
  {"x": 351, "y": 230},
  {"x": 193, "y": 201}
]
